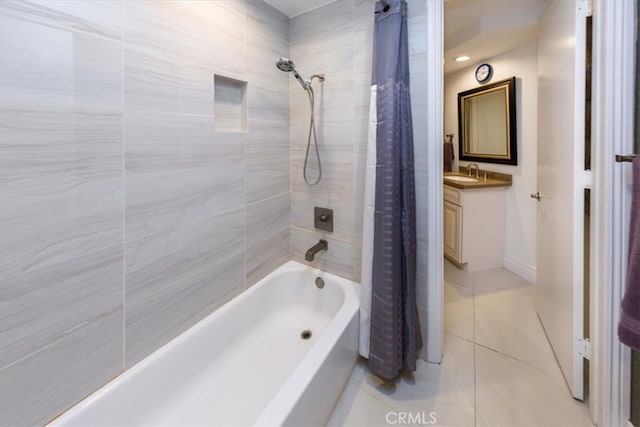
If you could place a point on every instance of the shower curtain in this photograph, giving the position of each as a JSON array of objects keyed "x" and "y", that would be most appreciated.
[{"x": 391, "y": 329}]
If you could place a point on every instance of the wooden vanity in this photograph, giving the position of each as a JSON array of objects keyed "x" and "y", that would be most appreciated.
[{"x": 474, "y": 219}]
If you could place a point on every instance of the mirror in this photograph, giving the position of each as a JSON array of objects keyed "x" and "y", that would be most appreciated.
[{"x": 487, "y": 123}]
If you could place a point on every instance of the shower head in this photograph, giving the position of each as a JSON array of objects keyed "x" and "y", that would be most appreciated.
[{"x": 287, "y": 65}]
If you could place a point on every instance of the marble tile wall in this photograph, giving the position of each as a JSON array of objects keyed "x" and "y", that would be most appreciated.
[
  {"x": 125, "y": 215},
  {"x": 337, "y": 40}
]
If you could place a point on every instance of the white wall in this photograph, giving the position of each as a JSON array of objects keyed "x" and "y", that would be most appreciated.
[{"x": 520, "y": 236}]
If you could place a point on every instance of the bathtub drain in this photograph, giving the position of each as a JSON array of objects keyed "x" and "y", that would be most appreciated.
[{"x": 306, "y": 334}]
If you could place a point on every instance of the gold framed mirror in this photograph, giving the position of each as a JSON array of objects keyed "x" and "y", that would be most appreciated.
[{"x": 487, "y": 123}]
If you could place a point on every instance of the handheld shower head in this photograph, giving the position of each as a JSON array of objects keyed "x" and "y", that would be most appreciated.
[{"x": 287, "y": 65}]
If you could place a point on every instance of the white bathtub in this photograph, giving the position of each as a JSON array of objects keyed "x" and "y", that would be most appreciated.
[{"x": 245, "y": 364}]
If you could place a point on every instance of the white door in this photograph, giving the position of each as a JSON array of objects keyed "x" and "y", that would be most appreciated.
[{"x": 561, "y": 82}]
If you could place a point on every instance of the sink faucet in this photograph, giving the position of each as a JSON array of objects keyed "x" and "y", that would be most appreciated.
[
  {"x": 471, "y": 165},
  {"x": 322, "y": 245}
]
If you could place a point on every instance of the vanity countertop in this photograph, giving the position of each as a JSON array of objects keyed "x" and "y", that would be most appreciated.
[{"x": 494, "y": 179}]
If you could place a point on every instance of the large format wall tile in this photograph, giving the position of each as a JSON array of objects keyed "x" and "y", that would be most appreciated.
[
  {"x": 267, "y": 218},
  {"x": 178, "y": 171},
  {"x": 266, "y": 256},
  {"x": 267, "y": 40},
  {"x": 52, "y": 61},
  {"x": 161, "y": 311},
  {"x": 96, "y": 17},
  {"x": 60, "y": 133},
  {"x": 175, "y": 277},
  {"x": 160, "y": 82},
  {"x": 302, "y": 211},
  {"x": 61, "y": 188},
  {"x": 173, "y": 50},
  {"x": 313, "y": 25},
  {"x": 323, "y": 41},
  {"x": 267, "y": 160},
  {"x": 107, "y": 119},
  {"x": 339, "y": 259},
  {"x": 159, "y": 260},
  {"x": 61, "y": 204},
  {"x": 43, "y": 306},
  {"x": 39, "y": 387}
]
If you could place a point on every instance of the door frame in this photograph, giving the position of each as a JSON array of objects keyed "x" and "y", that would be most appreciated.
[
  {"x": 613, "y": 118},
  {"x": 612, "y": 124},
  {"x": 435, "y": 125}
]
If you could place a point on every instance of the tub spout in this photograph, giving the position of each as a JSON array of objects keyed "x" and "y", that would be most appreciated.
[{"x": 322, "y": 245}]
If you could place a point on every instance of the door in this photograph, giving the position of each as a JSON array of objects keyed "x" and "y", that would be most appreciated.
[{"x": 561, "y": 83}]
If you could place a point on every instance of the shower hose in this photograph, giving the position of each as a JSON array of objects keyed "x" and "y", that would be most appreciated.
[{"x": 312, "y": 133}]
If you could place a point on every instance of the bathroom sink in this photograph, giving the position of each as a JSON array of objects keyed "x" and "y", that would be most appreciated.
[{"x": 460, "y": 178}]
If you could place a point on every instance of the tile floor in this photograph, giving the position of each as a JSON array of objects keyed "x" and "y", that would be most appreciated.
[{"x": 498, "y": 368}]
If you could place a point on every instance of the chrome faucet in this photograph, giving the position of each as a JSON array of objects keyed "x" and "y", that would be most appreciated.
[
  {"x": 477, "y": 169},
  {"x": 322, "y": 245}
]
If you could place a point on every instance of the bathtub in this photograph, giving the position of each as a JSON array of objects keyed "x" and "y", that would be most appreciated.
[{"x": 245, "y": 364}]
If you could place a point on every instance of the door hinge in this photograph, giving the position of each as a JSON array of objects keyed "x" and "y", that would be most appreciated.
[{"x": 583, "y": 347}]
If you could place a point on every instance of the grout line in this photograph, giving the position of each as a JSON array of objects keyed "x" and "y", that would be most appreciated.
[
  {"x": 124, "y": 198},
  {"x": 510, "y": 357},
  {"x": 265, "y": 199},
  {"x": 321, "y": 232},
  {"x": 244, "y": 212},
  {"x": 191, "y": 222},
  {"x": 245, "y": 141},
  {"x": 475, "y": 363},
  {"x": 70, "y": 334}
]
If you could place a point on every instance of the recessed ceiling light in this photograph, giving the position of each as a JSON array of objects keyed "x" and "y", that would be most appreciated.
[{"x": 462, "y": 58}]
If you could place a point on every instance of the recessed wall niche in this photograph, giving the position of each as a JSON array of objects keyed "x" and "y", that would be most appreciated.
[{"x": 230, "y": 104}]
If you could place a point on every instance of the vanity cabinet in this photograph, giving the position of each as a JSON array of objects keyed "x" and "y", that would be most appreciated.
[{"x": 474, "y": 227}]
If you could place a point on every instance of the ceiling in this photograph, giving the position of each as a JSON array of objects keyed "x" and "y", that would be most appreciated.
[
  {"x": 486, "y": 28},
  {"x": 293, "y": 8},
  {"x": 478, "y": 28}
]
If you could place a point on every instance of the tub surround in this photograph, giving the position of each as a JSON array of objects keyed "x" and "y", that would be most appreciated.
[
  {"x": 114, "y": 174},
  {"x": 128, "y": 213}
]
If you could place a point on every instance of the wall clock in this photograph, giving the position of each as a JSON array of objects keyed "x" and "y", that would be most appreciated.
[{"x": 483, "y": 73}]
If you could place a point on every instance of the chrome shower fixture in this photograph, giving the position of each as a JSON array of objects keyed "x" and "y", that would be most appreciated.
[{"x": 288, "y": 66}]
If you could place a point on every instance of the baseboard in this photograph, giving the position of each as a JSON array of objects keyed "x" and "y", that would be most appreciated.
[{"x": 527, "y": 272}]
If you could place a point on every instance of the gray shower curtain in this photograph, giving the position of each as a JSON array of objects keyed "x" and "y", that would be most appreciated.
[{"x": 395, "y": 329}]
